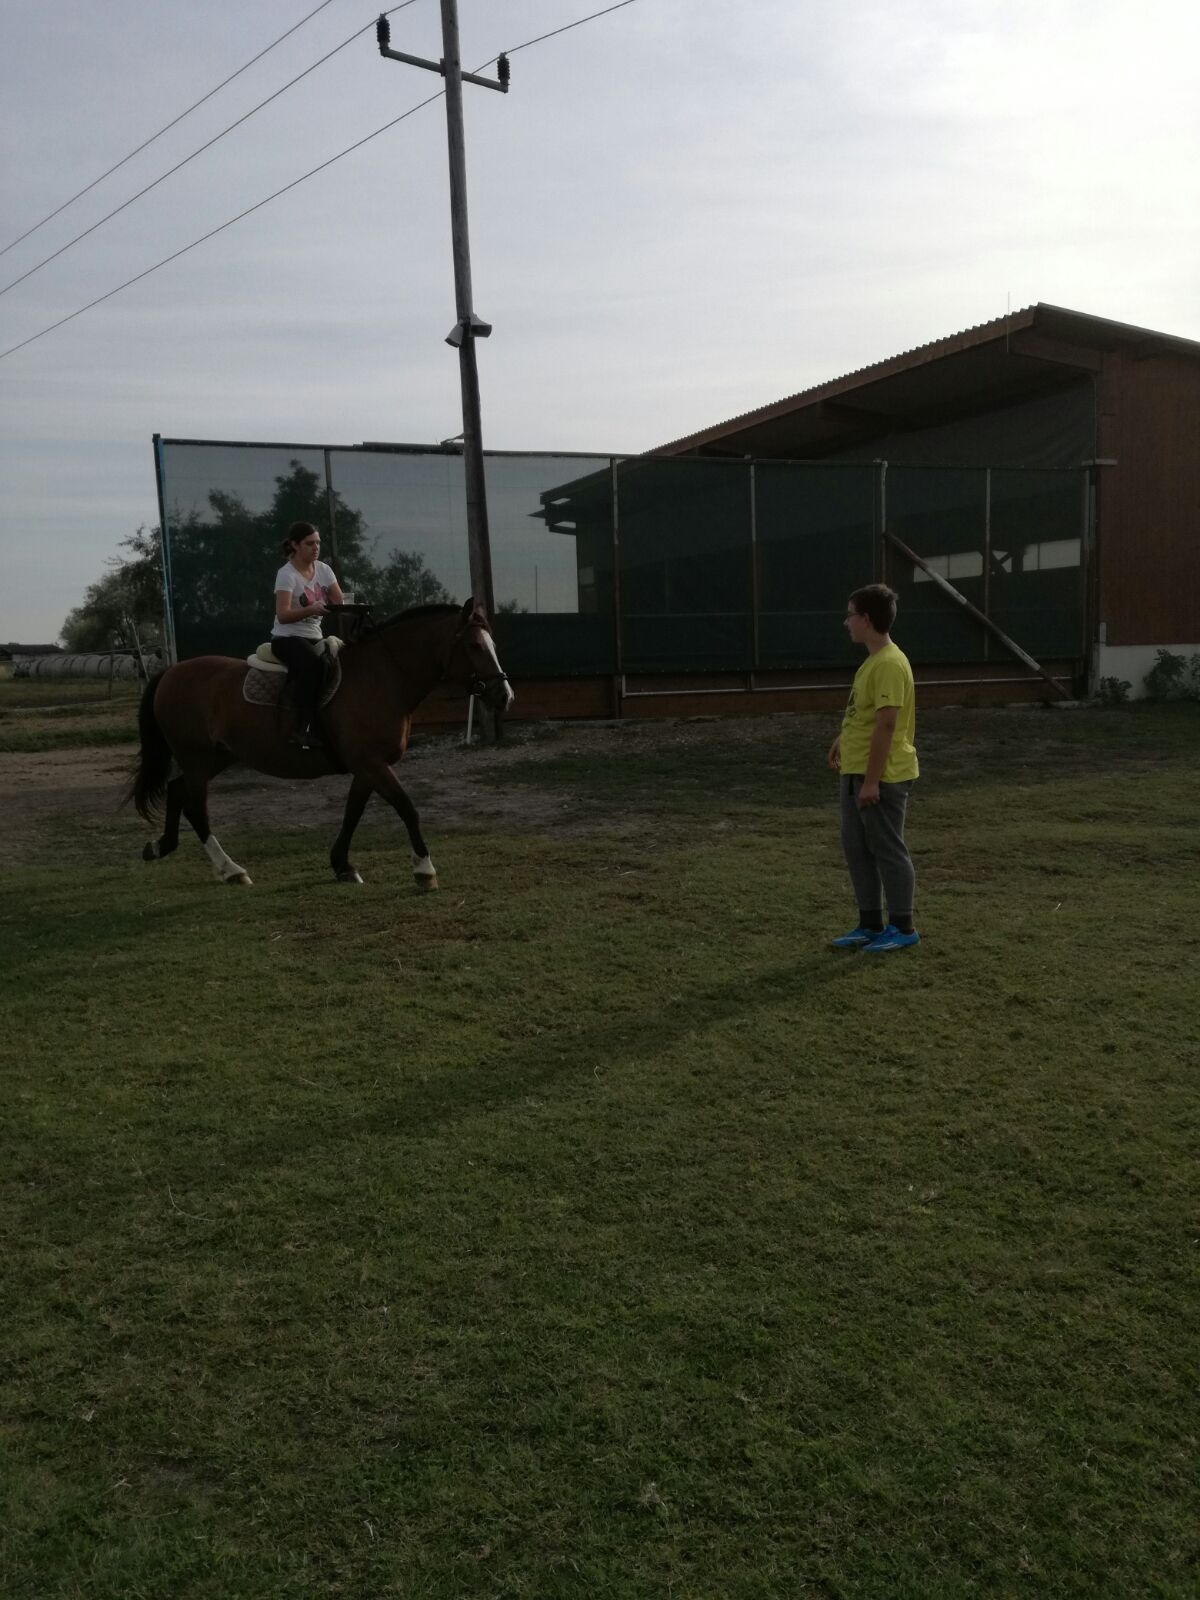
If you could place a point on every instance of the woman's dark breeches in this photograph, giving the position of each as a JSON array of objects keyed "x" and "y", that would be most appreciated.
[{"x": 306, "y": 672}]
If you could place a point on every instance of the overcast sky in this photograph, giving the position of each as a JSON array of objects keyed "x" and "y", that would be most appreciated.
[{"x": 682, "y": 210}]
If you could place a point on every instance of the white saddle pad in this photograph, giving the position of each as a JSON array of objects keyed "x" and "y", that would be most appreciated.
[
  {"x": 264, "y": 658},
  {"x": 265, "y": 681}
]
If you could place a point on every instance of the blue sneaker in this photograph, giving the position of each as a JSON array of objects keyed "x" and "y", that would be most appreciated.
[
  {"x": 857, "y": 939},
  {"x": 891, "y": 939}
]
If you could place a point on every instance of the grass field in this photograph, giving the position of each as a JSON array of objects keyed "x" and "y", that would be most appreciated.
[
  {"x": 589, "y": 1228},
  {"x": 63, "y": 713}
]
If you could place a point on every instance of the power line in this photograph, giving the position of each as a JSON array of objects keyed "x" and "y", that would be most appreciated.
[
  {"x": 566, "y": 28},
  {"x": 212, "y": 233},
  {"x": 116, "y": 211},
  {"x": 357, "y": 145},
  {"x": 165, "y": 129}
]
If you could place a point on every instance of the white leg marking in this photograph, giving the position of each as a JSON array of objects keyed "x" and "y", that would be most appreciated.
[
  {"x": 423, "y": 867},
  {"x": 491, "y": 650},
  {"x": 222, "y": 865}
]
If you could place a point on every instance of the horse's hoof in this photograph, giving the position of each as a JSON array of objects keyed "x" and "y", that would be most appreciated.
[
  {"x": 241, "y": 878},
  {"x": 351, "y": 875},
  {"x": 150, "y": 853},
  {"x": 425, "y": 881}
]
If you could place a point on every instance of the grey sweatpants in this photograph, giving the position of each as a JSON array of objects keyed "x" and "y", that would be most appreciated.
[{"x": 881, "y": 868}]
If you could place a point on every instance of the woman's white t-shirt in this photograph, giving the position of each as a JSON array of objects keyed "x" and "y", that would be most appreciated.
[{"x": 302, "y": 591}]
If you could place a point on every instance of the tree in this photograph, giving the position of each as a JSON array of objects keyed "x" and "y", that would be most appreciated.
[
  {"x": 223, "y": 562},
  {"x": 127, "y": 598},
  {"x": 222, "y": 565},
  {"x": 402, "y": 581}
]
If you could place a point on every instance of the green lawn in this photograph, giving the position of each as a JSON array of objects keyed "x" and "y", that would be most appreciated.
[{"x": 588, "y": 1228}]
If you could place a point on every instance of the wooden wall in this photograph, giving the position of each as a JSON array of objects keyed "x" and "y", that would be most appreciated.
[
  {"x": 1148, "y": 508},
  {"x": 537, "y": 700},
  {"x": 729, "y": 695}
]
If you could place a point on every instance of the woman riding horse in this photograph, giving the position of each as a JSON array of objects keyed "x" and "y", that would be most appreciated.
[
  {"x": 195, "y": 721},
  {"x": 303, "y": 587}
]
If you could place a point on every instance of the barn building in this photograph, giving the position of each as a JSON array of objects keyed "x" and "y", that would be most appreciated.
[{"x": 1041, "y": 388}]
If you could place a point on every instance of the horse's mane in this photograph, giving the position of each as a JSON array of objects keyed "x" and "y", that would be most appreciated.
[{"x": 434, "y": 609}]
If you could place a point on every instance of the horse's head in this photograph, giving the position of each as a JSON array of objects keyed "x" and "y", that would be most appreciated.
[{"x": 473, "y": 659}]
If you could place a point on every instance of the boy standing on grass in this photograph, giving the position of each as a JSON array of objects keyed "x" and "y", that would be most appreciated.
[{"x": 877, "y": 760}]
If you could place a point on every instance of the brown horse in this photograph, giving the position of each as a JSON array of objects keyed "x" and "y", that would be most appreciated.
[{"x": 194, "y": 722}]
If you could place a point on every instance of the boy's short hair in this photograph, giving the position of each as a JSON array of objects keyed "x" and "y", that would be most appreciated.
[{"x": 877, "y": 603}]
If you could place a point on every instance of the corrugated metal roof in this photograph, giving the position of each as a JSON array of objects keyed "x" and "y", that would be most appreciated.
[{"x": 1086, "y": 330}]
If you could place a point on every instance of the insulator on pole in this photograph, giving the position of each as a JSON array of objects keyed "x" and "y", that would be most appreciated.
[{"x": 383, "y": 32}]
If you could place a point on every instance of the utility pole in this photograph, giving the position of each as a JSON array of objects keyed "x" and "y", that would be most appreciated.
[{"x": 469, "y": 327}]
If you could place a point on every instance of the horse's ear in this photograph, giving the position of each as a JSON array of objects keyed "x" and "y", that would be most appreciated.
[{"x": 468, "y": 610}]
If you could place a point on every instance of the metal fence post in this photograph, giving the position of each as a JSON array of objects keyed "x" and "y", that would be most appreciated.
[
  {"x": 618, "y": 648},
  {"x": 164, "y": 550},
  {"x": 331, "y": 514},
  {"x": 881, "y": 546},
  {"x": 987, "y": 555},
  {"x": 753, "y": 575}
]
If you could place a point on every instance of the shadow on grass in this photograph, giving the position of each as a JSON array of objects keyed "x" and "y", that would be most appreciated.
[{"x": 496, "y": 1081}]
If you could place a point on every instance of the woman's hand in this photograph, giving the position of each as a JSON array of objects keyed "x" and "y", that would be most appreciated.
[
  {"x": 834, "y": 759},
  {"x": 315, "y": 609}
]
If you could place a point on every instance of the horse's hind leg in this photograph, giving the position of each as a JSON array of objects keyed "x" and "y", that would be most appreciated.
[
  {"x": 339, "y": 857},
  {"x": 387, "y": 785},
  {"x": 168, "y": 841},
  {"x": 195, "y": 809}
]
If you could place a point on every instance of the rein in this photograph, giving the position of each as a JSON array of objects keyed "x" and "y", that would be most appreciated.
[{"x": 477, "y": 684}]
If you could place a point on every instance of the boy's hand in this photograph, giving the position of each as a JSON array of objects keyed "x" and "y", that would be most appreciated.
[
  {"x": 868, "y": 795},
  {"x": 834, "y": 759}
]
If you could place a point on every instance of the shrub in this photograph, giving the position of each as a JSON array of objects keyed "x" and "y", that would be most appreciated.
[
  {"x": 1114, "y": 691},
  {"x": 1174, "y": 677}
]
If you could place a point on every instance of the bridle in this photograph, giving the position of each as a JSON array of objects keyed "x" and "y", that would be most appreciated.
[{"x": 479, "y": 683}]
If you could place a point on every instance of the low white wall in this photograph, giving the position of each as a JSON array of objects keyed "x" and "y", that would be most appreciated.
[{"x": 1133, "y": 661}]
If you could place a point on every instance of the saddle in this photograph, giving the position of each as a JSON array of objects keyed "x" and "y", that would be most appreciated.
[{"x": 267, "y": 675}]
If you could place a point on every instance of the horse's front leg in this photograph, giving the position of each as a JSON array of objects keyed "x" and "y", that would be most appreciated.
[
  {"x": 387, "y": 785},
  {"x": 344, "y": 869}
]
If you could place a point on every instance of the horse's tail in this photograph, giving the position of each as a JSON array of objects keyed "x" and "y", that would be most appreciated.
[{"x": 149, "y": 781}]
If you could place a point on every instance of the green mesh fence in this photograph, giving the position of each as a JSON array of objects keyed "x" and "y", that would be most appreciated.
[
  {"x": 942, "y": 515},
  {"x": 685, "y": 575},
  {"x": 1035, "y": 593},
  {"x": 816, "y": 536},
  {"x": 644, "y": 565},
  {"x": 225, "y": 510}
]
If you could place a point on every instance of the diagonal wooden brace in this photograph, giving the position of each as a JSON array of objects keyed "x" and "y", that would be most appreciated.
[{"x": 974, "y": 612}]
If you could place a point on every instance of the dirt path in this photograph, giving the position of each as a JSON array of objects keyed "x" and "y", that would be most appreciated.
[{"x": 455, "y": 788}]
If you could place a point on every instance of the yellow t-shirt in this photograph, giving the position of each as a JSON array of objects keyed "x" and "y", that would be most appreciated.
[{"x": 884, "y": 679}]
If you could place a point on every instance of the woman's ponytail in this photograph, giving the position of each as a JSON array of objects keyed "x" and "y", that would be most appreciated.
[{"x": 297, "y": 532}]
